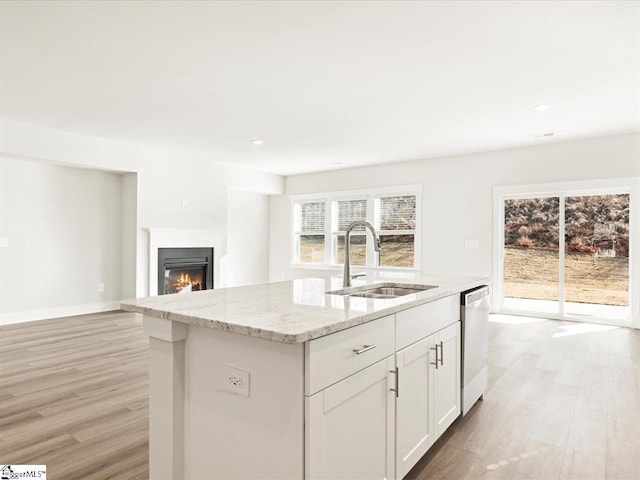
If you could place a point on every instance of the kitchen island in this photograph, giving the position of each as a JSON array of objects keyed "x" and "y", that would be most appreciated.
[{"x": 284, "y": 380}]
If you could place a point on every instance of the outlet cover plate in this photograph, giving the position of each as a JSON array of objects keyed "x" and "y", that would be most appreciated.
[
  {"x": 236, "y": 381},
  {"x": 471, "y": 243}
]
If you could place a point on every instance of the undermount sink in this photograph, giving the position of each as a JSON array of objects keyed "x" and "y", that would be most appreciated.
[
  {"x": 383, "y": 290},
  {"x": 387, "y": 292}
]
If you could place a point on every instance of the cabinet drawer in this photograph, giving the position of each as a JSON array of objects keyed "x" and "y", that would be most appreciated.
[
  {"x": 333, "y": 357},
  {"x": 419, "y": 322}
]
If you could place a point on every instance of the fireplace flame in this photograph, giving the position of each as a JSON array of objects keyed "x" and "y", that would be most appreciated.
[
  {"x": 183, "y": 283},
  {"x": 186, "y": 280}
]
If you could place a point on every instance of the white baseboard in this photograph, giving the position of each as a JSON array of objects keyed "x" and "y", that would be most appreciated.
[{"x": 67, "y": 311}]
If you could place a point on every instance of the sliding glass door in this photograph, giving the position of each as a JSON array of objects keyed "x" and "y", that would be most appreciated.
[
  {"x": 596, "y": 263},
  {"x": 531, "y": 254},
  {"x": 566, "y": 255}
]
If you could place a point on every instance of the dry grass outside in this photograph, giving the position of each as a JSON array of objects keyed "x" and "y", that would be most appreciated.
[
  {"x": 396, "y": 254},
  {"x": 311, "y": 249},
  {"x": 529, "y": 272},
  {"x": 533, "y": 274}
]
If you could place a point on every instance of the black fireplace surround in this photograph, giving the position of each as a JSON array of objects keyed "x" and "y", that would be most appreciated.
[{"x": 184, "y": 270}]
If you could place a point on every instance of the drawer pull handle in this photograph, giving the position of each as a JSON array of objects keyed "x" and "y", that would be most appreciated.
[
  {"x": 436, "y": 349},
  {"x": 365, "y": 348}
]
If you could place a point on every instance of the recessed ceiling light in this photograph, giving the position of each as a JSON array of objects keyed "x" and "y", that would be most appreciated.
[
  {"x": 542, "y": 135},
  {"x": 257, "y": 141},
  {"x": 542, "y": 107}
]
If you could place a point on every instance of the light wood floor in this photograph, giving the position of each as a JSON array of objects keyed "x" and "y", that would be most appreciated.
[
  {"x": 563, "y": 402},
  {"x": 74, "y": 396}
]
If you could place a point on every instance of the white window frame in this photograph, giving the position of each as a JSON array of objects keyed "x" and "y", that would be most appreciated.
[
  {"x": 298, "y": 233},
  {"x": 335, "y": 233},
  {"x": 369, "y": 194}
]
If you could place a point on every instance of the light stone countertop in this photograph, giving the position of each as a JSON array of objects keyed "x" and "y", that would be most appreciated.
[{"x": 294, "y": 311}]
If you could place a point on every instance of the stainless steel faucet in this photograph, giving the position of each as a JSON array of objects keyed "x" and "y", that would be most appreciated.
[{"x": 346, "y": 280}]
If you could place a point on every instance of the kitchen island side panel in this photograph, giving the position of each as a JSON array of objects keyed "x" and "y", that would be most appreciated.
[{"x": 229, "y": 435}]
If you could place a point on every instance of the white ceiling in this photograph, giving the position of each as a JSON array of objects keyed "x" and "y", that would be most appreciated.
[{"x": 323, "y": 82}]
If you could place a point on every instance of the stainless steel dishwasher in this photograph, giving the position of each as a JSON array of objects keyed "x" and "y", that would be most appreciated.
[{"x": 474, "y": 313}]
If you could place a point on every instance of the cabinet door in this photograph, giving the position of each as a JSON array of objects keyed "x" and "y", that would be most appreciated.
[
  {"x": 446, "y": 378},
  {"x": 350, "y": 426},
  {"x": 414, "y": 431}
]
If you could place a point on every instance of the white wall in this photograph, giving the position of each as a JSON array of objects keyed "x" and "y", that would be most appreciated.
[
  {"x": 129, "y": 218},
  {"x": 457, "y": 195},
  {"x": 165, "y": 178},
  {"x": 64, "y": 231},
  {"x": 154, "y": 185},
  {"x": 247, "y": 260}
]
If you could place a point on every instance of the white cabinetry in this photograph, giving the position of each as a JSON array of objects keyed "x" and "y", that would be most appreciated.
[
  {"x": 333, "y": 357},
  {"x": 364, "y": 402},
  {"x": 350, "y": 384},
  {"x": 414, "y": 425},
  {"x": 446, "y": 378},
  {"x": 372, "y": 414},
  {"x": 351, "y": 426},
  {"x": 429, "y": 394}
]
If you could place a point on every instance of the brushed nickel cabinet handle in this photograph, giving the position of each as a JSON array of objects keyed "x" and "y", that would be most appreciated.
[
  {"x": 436, "y": 349},
  {"x": 441, "y": 353},
  {"x": 397, "y": 389},
  {"x": 365, "y": 348}
]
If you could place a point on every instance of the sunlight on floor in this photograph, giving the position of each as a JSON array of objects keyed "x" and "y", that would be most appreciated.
[
  {"x": 616, "y": 314},
  {"x": 514, "y": 319},
  {"x": 503, "y": 463},
  {"x": 576, "y": 328},
  {"x": 580, "y": 328}
]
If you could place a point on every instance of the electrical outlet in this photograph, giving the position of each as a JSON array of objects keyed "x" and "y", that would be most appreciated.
[
  {"x": 185, "y": 201},
  {"x": 236, "y": 380},
  {"x": 471, "y": 243},
  {"x": 100, "y": 287}
]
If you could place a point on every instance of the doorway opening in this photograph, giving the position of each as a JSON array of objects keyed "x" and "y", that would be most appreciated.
[{"x": 566, "y": 254}]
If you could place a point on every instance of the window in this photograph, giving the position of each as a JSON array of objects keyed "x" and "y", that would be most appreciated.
[
  {"x": 320, "y": 224},
  {"x": 309, "y": 232},
  {"x": 349, "y": 211},
  {"x": 396, "y": 224}
]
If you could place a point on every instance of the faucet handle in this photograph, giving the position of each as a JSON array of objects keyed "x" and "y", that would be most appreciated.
[{"x": 358, "y": 275}]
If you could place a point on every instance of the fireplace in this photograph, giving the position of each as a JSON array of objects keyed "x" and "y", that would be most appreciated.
[{"x": 184, "y": 270}]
